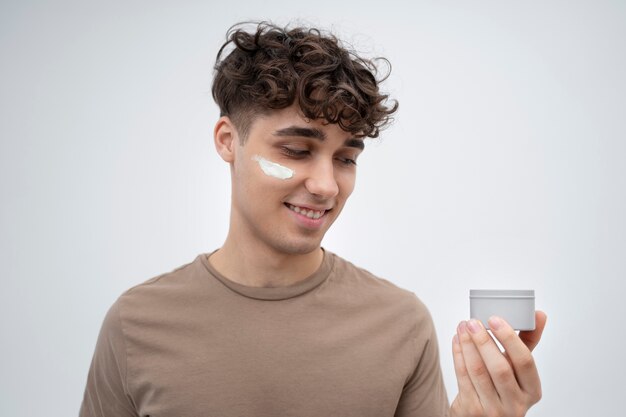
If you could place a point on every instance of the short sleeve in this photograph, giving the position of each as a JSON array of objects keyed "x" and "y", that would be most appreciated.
[
  {"x": 106, "y": 393},
  {"x": 424, "y": 394}
]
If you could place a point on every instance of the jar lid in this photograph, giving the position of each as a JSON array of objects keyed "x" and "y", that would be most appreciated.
[{"x": 502, "y": 293}]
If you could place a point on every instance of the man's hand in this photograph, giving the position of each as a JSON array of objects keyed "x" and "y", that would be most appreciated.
[{"x": 492, "y": 383}]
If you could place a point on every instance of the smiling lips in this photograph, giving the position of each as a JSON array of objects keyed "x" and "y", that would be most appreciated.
[{"x": 311, "y": 214}]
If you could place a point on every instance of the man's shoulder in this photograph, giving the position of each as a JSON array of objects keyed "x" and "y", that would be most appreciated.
[
  {"x": 361, "y": 279},
  {"x": 181, "y": 280},
  {"x": 363, "y": 289}
]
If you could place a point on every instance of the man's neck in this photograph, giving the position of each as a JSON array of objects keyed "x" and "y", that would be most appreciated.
[{"x": 263, "y": 267}]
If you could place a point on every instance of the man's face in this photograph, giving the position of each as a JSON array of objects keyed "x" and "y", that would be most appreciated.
[{"x": 291, "y": 216}]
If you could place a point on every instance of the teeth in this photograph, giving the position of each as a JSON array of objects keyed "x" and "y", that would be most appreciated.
[{"x": 311, "y": 214}]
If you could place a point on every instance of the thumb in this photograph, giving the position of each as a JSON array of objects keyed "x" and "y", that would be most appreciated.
[{"x": 531, "y": 338}]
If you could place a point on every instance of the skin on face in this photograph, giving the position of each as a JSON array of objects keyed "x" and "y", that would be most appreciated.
[{"x": 322, "y": 157}]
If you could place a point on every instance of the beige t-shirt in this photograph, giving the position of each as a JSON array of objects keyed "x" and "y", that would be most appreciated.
[{"x": 341, "y": 342}]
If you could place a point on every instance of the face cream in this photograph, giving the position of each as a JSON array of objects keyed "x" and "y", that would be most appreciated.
[
  {"x": 517, "y": 307},
  {"x": 273, "y": 169}
]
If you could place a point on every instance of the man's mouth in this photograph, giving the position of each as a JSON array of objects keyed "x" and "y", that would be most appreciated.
[{"x": 310, "y": 213}]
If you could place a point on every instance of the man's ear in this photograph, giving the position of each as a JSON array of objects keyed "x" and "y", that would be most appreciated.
[{"x": 226, "y": 138}]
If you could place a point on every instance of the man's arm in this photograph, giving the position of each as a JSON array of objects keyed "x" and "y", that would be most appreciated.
[
  {"x": 492, "y": 383},
  {"x": 106, "y": 393},
  {"x": 424, "y": 394}
]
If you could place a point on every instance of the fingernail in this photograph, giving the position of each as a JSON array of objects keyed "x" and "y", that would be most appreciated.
[
  {"x": 494, "y": 322},
  {"x": 455, "y": 339},
  {"x": 474, "y": 326},
  {"x": 462, "y": 328}
]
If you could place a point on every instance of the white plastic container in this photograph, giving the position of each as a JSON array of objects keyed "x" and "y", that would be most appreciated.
[{"x": 517, "y": 307}]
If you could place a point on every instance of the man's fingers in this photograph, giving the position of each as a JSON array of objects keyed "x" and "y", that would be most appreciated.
[
  {"x": 477, "y": 370},
  {"x": 466, "y": 388},
  {"x": 500, "y": 370},
  {"x": 531, "y": 338},
  {"x": 519, "y": 355},
  {"x": 467, "y": 398}
]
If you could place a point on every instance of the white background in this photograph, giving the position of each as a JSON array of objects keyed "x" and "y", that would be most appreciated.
[{"x": 504, "y": 169}]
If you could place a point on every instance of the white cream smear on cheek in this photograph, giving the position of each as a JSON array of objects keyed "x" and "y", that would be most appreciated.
[{"x": 273, "y": 169}]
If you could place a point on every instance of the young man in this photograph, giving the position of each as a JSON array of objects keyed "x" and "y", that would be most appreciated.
[{"x": 272, "y": 324}]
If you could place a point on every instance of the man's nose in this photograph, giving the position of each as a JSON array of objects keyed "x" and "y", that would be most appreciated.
[{"x": 321, "y": 180}]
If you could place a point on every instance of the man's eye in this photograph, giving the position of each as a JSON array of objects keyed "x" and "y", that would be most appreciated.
[
  {"x": 347, "y": 161},
  {"x": 295, "y": 152}
]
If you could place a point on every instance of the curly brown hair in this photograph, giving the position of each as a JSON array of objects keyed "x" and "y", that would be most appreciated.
[{"x": 275, "y": 67}]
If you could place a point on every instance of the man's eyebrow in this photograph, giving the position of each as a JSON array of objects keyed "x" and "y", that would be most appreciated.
[
  {"x": 305, "y": 132},
  {"x": 355, "y": 143},
  {"x": 309, "y": 132}
]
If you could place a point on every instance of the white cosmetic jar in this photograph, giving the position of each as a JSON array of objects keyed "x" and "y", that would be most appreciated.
[{"x": 517, "y": 307}]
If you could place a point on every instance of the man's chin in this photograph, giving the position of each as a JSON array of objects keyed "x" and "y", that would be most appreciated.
[{"x": 299, "y": 248}]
